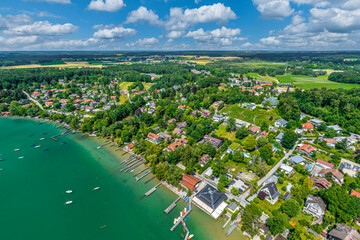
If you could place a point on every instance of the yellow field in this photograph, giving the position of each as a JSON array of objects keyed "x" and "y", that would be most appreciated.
[
  {"x": 328, "y": 71},
  {"x": 67, "y": 65}
]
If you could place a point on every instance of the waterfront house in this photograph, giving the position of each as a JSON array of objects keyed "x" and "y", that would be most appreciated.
[
  {"x": 343, "y": 232},
  {"x": 154, "y": 138},
  {"x": 280, "y": 123},
  {"x": 211, "y": 201},
  {"x": 315, "y": 206},
  {"x": 254, "y": 129},
  {"x": 307, "y": 149},
  {"x": 321, "y": 182},
  {"x": 214, "y": 141},
  {"x": 129, "y": 147},
  {"x": 189, "y": 181},
  {"x": 270, "y": 190}
]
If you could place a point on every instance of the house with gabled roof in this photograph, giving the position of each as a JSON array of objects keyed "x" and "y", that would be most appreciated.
[
  {"x": 270, "y": 190},
  {"x": 315, "y": 206},
  {"x": 337, "y": 176},
  {"x": 254, "y": 129},
  {"x": 324, "y": 163},
  {"x": 189, "y": 181},
  {"x": 321, "y": 182},
  {"x": 154, "y": 138},
  {"x": 307, "y": 149},
  {"x": 307, "y": 126},
  {"x": 214, "y": 141}
]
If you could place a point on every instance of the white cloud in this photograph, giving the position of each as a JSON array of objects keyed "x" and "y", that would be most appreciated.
[
  {"x": 115, "y": 32},
  {"x": 352, "y": 4},
  {"x": 274, "y": 9},
  {"x": 106, "y": 5},
  {"x": 42, "y": 28},
  {"x": 11, "y": 21},
  {"x": 46, "y": 14},
  {"x": 143, "y": 43},
  {"x": 181, "y": 19},
  {"x": 270, "y": 41},
  {"x": 143, "y": 14},
  {"x": 18, "y": 41},
  {"x": 53, "y": 1},
  {"x": 220, "y": 37},
  {"x": 175, "y": 34}
]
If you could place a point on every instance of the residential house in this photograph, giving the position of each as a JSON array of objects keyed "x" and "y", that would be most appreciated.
[
  {"x": 219, "y": 118},
  {"x": 205, "y": 158},
  {"x": 240, "y": 123},
  {"x": 343, "y": 232},
  {"x": 165, "y": 136},
  {"x": 154, "y": 138},
  {"x": 176, "y": 144},
  {"x": 280, "y": 123},
  {"x": 181, "y": 107},
  {"x": 270, "y": 190},
  {"x": 129, "y": 147},
  {"x": 355, "y": 193},
  {"x": 321, "y": 182},
  {"x": 287, "y": 196},
  {"x": 316, "y": 122},
  {"x": 177, "y": 132},
  {"x": 337, "y": 176},
  {"x": 214, "y": 141},
  {"x": 324, "y": 163},
  {"x": 182, "y": 125},
  {"x": 297, "y": 159},
  {"x": 250, "y": 106},
  {"x": 307, "y": 149},
  {"x": 286, "y": 169},
  {"x": 189, "y": 181},
  {"x": 171, "y": 121},
  {"x": 205, "y": 113},
  {"x": 336, "y": 128},
  {"x": 262, "y": 134},
  {"x": 315, "y": 206},
  {"x": 223, "y": 84},
  {"x": 254, "y": 129},
  {"x": 279, "y": 137},
  {"x": 307, "y": 126},
  {"x": 330, "y": 142},
  {"x": 272, "y": 100},
  {"x": 217, "y": 104}
]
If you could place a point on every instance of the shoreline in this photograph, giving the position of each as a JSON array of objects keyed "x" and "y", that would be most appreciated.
[{"x": 201, "y": 217}]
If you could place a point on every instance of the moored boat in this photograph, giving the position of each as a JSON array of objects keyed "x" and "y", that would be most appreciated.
[
  {"x": 68, "y": 191},
  {"x": 68, "y": 202},
  {"x": 21, "y": 157},
  {"x": 46, "y": 149},
  {"x": 42, "y": 139},
  {"x": 37, "y": 146},
  {"x": 16, "y": 149},
  {"x": 191, "y": 236},
  {"x": 96, "y": 188}
]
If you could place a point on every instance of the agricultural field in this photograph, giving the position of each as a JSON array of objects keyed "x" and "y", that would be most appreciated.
[
  {"x": 258, "y": 63},
  {"x": 306, "y": 82},
  {"x": 58, "y": 65},
  {"x": 257, "y": 116},
  {"x": 262, "y": 78}
]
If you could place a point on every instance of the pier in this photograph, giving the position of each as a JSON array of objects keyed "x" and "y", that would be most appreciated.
[
  {"x": 107, "y": 143},
  {"x": 141, "y": 177},
  {"x": 54, "y": 137},
  {"x": 182, "y": 218},
  {"x": 134, "y": 165},
  {"x": 141, "y": 171},
  {"x": 226, "y": 223},
  {"x": 172, "y": 206},
  {"x": 148, "y": 193},
  {"x": 186, "y": 229},
  {"x": 149, "y": 180},
  {"x": 232, "y": 228}
]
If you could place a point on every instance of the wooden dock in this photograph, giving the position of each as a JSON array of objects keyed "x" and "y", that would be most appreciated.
[
  {"x": 141, "y": 171},
  {"x": 141, "y": 177},
  {"x": 182, "y": 218},
  {"x": 172, "y": 206},
  {"x": 148, "y": 193},
  {"x": 106, "y": 143},
  {"x": 232, "y": 228},
  {"x": 135, "y": 165},
  {"x": 149, "y": 180},
  {"x": 186, "y": 229},
  {"x": 54, "y": 137}
]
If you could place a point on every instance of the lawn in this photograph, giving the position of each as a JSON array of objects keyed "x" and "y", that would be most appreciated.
[
  {"x": 123, "y": 98},
  {"x": 125, "y": 85},
  {"x": 306, "y": 82},
  {"x": 301, "y": 216},
  {"x": 221, "y": 132},
  {"x": 257, "y": 116},
  {"x": 263, "y": 78},
  {"x": 268, "y": 207}
]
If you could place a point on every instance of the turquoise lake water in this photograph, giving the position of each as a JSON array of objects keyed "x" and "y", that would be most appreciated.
[{"x": 32, "y": 200}]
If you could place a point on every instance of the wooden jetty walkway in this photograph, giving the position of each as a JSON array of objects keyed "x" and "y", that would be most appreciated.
[
  {"x": 141, "y": 177},
  {"x": 226, "y": 223},
  {"x": 149, "y": 179},
  {"x": 132, "y": 163},
  {"x": 172, "y": 206},
  {"x": 186, "y": 229},
  {"x": 148, "y": 193},
  {"x": 106, "y": 143},
  {"x": 54, "y": 137},
  {"x": 135, "y": 165},
  {"x": 232, "y": 228},
  {"x": 141, "y": 171},
  {"x": 182, "y": 218}
]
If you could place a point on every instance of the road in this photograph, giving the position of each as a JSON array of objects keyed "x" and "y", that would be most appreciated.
[
  {"x": 273, "y": 170},
  {"x": 34, "y": 101}
]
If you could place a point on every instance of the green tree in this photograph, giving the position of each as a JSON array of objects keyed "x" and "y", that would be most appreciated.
[
  {"x": 289, "y": 109},
  {"x": 289, "y": 139},
  {"x": 242, "y": 133},
  {"x": 277, "y": 223},
  {"x": 249, "y": 143},
  {"x": 291, "y": 207},
  {"x": 235, "y": 191}
]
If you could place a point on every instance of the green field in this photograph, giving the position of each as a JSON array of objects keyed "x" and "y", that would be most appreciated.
[
  {"x": 125, "y": 85},
  {"x": 306, "y": 82},
  {"x": 257, "y": 116},
  {"x": 221, "y": 132},
  {"x": 262, "y": 78},
  {"x": 257, "y": 63}
]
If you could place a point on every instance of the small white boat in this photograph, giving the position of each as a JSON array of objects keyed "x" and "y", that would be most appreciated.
[
  {"x": 37, "y": 146},
  {"x": 42, "y": 139},
  {"x": 21, "y": 157},
  {"x": 96, "y": 188},
  {"x": 132, "y": 170},
  {"x": 68, "y": 191},
  {"x": 68, "y": 202},
  {"x": 98, "y": 147},
  {"x": 16, "y": 149},
  {"x": 191, "y": 236}
]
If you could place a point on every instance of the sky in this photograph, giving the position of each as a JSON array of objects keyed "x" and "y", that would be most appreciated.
[{"x": 173, "y": 25}]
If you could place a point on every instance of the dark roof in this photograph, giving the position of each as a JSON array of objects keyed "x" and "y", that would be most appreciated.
[
  {"x": 317, "y": 200},
  {"x": 273, "y": 190},
  {"x": 211, "y": 196},
  {"x": 287, "y": 195},
  {"x": 232, "y": 206}
]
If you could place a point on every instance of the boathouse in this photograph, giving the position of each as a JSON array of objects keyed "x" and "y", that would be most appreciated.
[
  {"x": 211, "y": 201},
  {"x": 189, "y": 181}
]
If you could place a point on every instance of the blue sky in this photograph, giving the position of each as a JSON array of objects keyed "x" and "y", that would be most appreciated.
[{"x": 180, "y": 25}]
